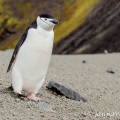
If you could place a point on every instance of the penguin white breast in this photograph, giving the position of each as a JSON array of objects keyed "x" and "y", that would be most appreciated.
[{"x": 34, "y": 57}]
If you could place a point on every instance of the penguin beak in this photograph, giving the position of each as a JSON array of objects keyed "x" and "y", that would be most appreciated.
[{"x": 55, "y": 21}]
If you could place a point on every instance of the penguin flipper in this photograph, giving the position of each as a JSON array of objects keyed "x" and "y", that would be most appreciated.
[{"x": 19, "y": 44}]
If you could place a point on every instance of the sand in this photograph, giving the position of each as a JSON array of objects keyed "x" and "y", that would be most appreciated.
[{"x": 101, "y": 89}]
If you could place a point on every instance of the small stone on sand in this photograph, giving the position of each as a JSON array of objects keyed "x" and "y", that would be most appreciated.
[
  {"x": 111, "y": 70},
  {"x": 45, "y": 106}
]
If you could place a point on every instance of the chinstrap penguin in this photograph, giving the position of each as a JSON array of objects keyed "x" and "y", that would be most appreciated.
[{"x": 31, "y": 56}]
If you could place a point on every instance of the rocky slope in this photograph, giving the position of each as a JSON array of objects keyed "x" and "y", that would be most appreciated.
[{"x": 100, "y": 31}]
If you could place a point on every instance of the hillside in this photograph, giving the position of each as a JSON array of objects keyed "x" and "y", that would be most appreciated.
[{"x": 16, "y": 16}]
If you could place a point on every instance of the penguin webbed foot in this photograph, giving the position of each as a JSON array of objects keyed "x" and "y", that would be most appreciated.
[
  {"x": 33, "y": 97},
  {"x": 18, "y": 92}
]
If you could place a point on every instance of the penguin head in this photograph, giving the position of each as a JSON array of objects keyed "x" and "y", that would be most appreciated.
[{"x": 46, "y": 21}]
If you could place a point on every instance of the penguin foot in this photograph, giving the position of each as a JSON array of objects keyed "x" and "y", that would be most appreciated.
[
  {"x": 18, "y": 92},
  {"x": 32, "y": 96}
]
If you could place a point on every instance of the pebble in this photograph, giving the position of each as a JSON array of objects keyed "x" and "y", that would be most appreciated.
[
  {"x": 111, "y": 70},
  {"x": 45, "y": 106},
  {"x": 84, "y": 61},
  {"x": 105, "y": 52}
]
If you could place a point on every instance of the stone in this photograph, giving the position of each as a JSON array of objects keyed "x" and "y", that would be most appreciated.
[
  {"x": 45, "y": 106},
  {"x": 84, "y": 61},
  {"x": 111, "y": 70},
  {"x": 105, "y": 52},
  {"x": 65, "y": 90}
]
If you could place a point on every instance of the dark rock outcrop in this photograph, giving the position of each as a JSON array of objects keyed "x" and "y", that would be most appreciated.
[{"x": 100, "y": 31}]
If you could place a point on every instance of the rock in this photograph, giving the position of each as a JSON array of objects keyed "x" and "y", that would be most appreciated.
[
  {"x": 111, "y": 70},
  {"x": 84, "y": 61},
  {"x": 96, "y": 34},
  {"x": 45, "y": 106},
  {"x": 64, "y": 90},
  {"x": 105, "y": 52}
]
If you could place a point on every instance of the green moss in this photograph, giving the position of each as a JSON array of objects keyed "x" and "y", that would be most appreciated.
[
  {"x": 6, "y": 18},
  {"x": 71, "y": 16}
]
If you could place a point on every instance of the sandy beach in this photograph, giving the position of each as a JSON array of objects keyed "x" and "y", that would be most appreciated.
[{"x": 101, "y": 89}]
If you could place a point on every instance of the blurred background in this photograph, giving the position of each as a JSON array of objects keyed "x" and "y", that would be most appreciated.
[{"x": 86, "y": 26}]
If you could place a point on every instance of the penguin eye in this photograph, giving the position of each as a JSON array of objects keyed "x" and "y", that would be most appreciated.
[{"x": 45, "y": 18}]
